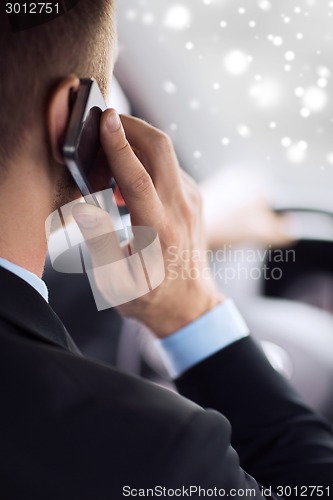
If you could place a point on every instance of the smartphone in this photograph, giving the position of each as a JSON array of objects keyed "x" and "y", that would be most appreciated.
[{"x": 81, "y": 147}]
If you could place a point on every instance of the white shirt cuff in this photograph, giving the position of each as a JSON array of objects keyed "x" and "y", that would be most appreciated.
[{"x": 202, "y": 338}]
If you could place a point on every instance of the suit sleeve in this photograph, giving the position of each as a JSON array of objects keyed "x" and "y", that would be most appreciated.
[
  {"x": 201, "y": 460},
  {"x": 279, "y": 440}
]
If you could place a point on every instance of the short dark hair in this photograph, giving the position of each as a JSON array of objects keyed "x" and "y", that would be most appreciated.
[{"x": 33, "y": 61}]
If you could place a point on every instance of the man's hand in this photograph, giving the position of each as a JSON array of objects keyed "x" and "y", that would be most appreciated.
[
  {"x": 159, "y": 195},
  {"x": 237, "y": 211}
]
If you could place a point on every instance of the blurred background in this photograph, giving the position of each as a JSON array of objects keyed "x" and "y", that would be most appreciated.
[{"x": 237, "y": 83}]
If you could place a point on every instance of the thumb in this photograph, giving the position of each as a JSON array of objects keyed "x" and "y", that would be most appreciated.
[
  {"x": 99, "y": 234},
  {"x": 135, "y": 184}
]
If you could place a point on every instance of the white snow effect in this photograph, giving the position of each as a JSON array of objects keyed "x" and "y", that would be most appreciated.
[
  {"x": 178, "y": 17},
  {"x": 305, "y": 112},
  {"x": 148, "y": 18},
  {"x": 131, "y": 14},
  {"x": 277, "y": 41},
  {"x": 266, "y": 94},
  {"x": 315, "y": 99},
  {"x": 194, "y": 104},
  {"x": 274, "y": 57},
  {"x": 323, "y": 72},
  {"x": 286, "y": 142},
  {"x": 264, "y": 5},
  {"x": 289, "y": 55},
  {"x": 329, "y": 158},
  {"x": 299, "y": 92},
  {"x": 244, "y": 131},
  {"x": 302, "y": 145},
  {"x": 297, "y": 152},
  {"x": 237, "y": 63},
  {"x": 169, "y": 87},
  {"x": 322, "y": 83}
]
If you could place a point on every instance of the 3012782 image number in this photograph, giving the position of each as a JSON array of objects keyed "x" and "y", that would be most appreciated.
[{"x": 32, "y": 8}]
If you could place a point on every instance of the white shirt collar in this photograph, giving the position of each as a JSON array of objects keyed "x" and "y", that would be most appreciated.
[{"x": 31, "y": 278}]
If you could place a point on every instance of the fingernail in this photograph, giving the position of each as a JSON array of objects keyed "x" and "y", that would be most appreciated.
[
  {"x": 87, "y": 221},
  {"x": 113, "y": 121}
]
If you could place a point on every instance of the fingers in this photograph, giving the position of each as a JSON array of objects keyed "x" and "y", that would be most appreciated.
[
  {"x": 119, "y": 276},
  {"x": 100, "y": 237},
  {"x": 134, "y": 182},
  {"x": 155, "y": 150}
]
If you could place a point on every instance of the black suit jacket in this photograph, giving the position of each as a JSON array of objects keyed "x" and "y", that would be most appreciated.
[
  {"x": 97, "y": 333},
  {"x": 118, "y": 341},
  {"x": 72, "y": 428}
]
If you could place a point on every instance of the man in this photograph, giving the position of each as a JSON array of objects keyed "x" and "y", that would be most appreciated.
[{"x": 73, "y": 428}]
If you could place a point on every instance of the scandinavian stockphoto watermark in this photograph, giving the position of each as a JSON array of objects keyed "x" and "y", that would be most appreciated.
[{"x": 229, "y": 263}]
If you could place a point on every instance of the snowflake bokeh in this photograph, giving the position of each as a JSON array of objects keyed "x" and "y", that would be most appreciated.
[{"x": 235, "y": 82}]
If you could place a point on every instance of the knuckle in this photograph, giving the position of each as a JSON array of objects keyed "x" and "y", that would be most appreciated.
[
  {"x": 161, "y": 142},
  {"x": 100, "y": 247},
  {"x": 170, "y": 233},
  {"x": 193, "y": 197},
  {"x": 187, "y": 212},
  {"x": 122, "y": 146},
  {"x": 141, "y": 184}
]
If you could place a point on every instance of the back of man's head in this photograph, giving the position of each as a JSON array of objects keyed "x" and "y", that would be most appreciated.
[{"x": 34, "y": 61}]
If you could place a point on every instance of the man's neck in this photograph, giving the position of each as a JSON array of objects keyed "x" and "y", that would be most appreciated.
[
  {"x": 24, "y": 207},
  {"x": 32, "y": 260}
]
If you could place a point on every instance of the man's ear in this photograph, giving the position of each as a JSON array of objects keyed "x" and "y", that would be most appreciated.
[{"x": 58, "y": 114}]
